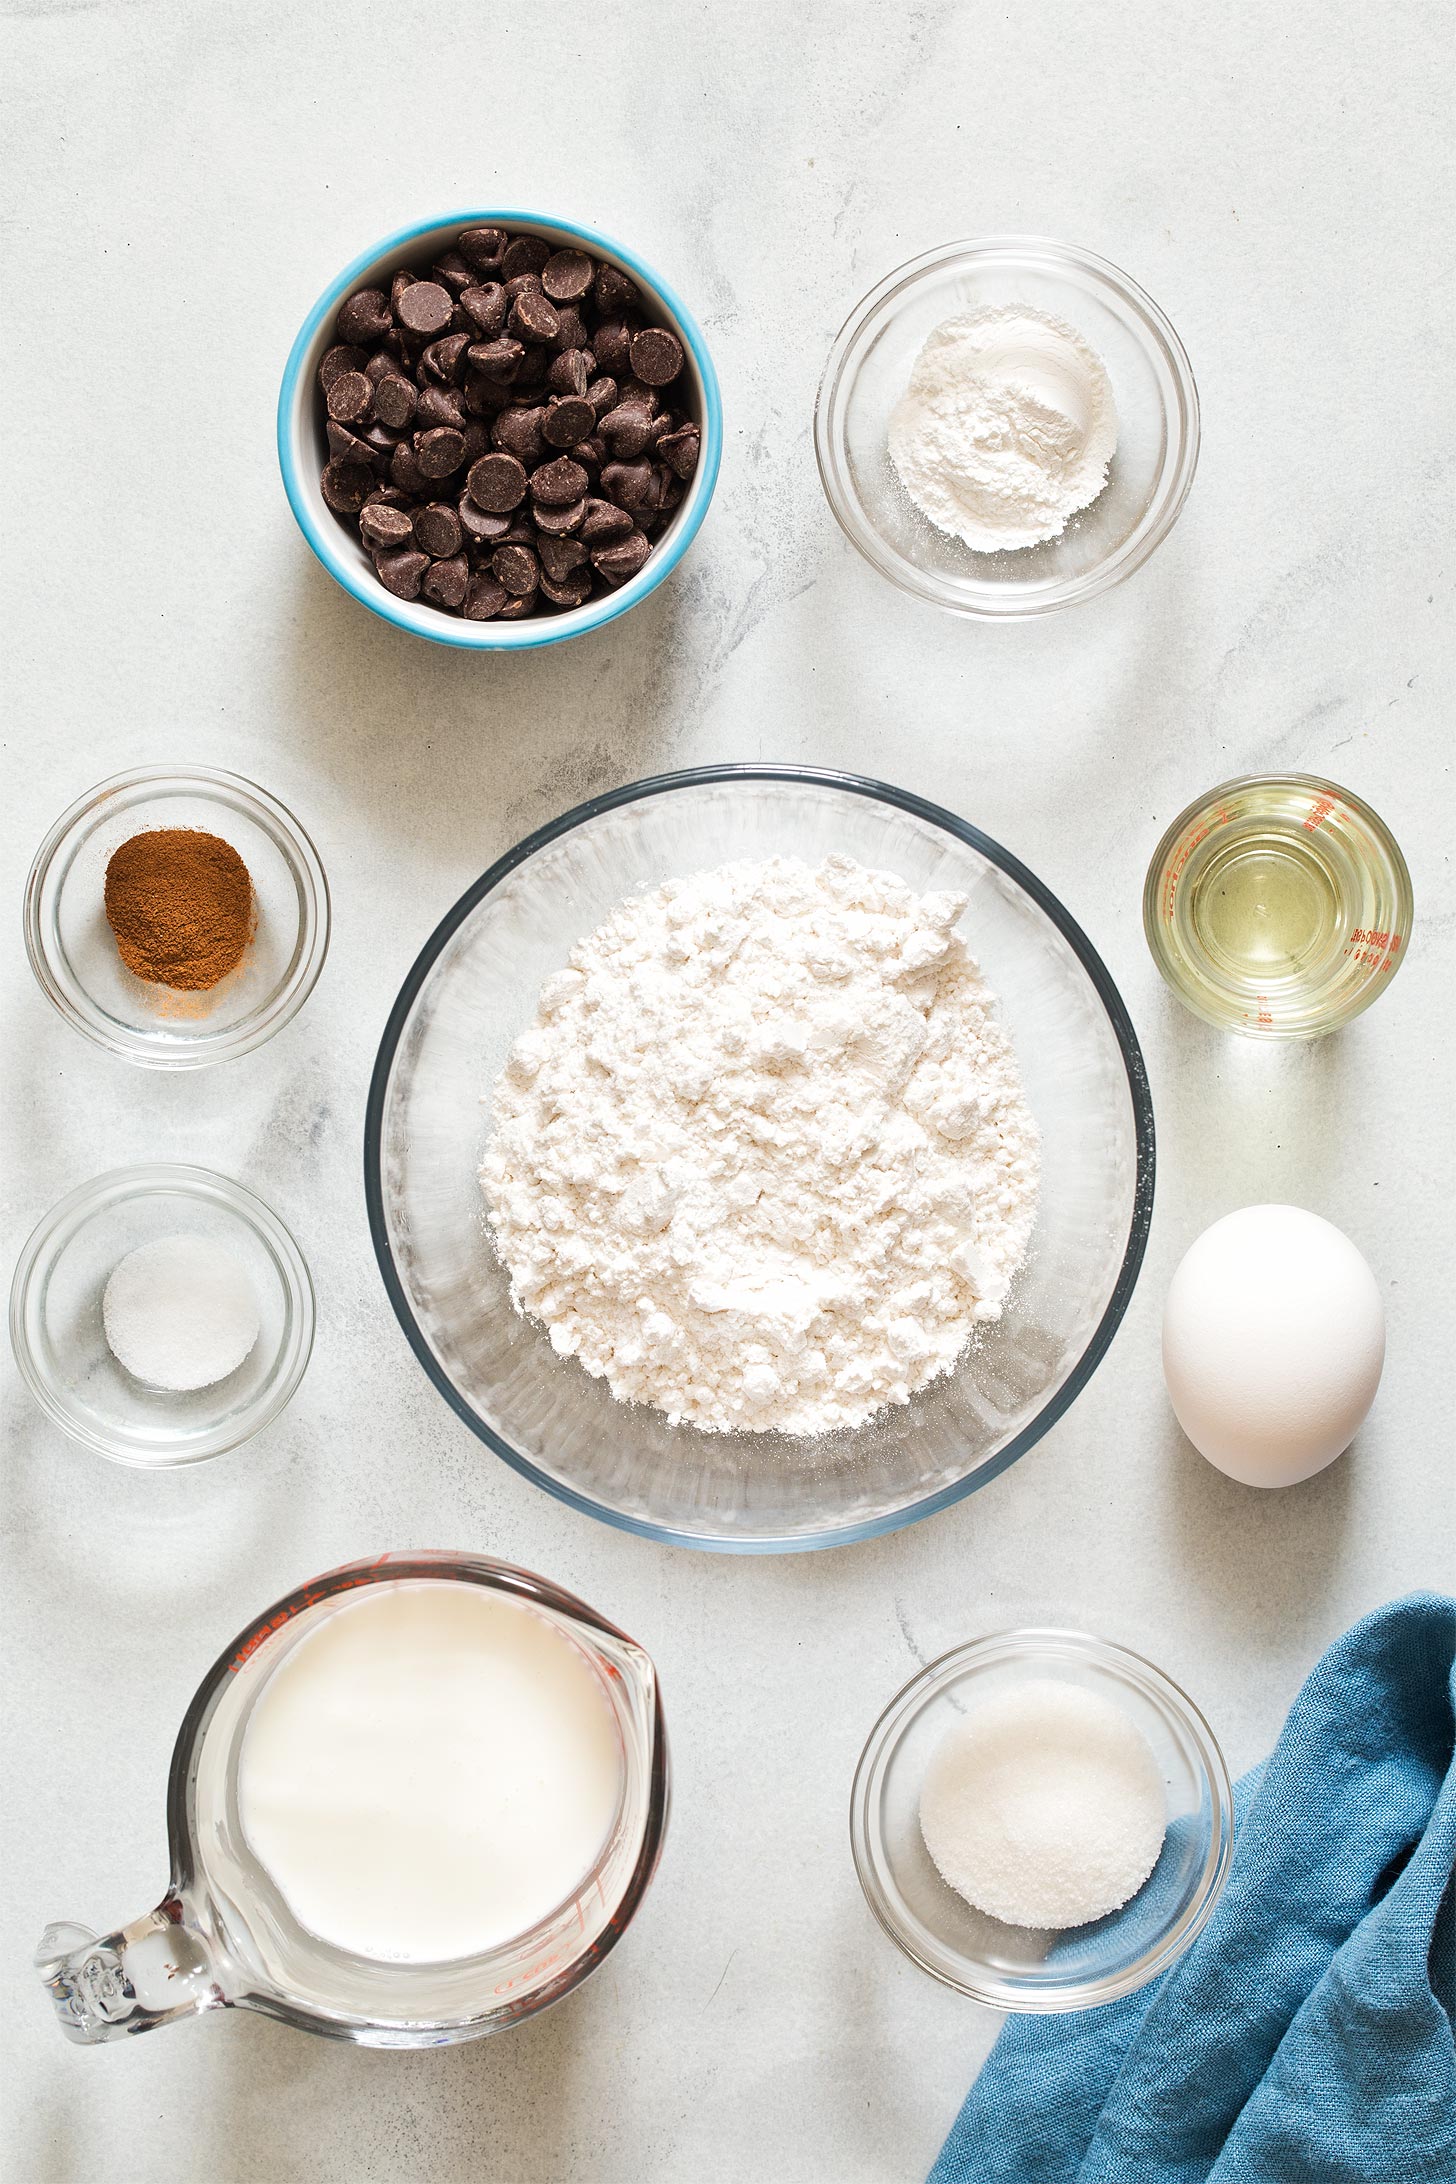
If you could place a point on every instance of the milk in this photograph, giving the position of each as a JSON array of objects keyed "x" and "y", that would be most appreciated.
[{"x": 429, "y": 1772}]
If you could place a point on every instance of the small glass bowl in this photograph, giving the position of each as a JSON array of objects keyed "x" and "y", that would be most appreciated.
[
  {"x": 60, "y": 1343},
  {"x": 74, "y": 955},
  {"x": 1157, "y": 426},
  {"x": 1278, "y": 906},
  {"x": 1018, "y": 1968}
]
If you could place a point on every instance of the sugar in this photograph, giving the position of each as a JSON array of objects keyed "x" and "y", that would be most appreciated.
[
  {"x": 180, "y": 1313},
  {"x": 1044, "y": 1807}
]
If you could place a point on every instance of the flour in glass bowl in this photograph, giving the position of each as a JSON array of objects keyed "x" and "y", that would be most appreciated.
[{"x": 762, "y": 1161}]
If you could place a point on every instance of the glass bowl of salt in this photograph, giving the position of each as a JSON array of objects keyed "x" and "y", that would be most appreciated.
[
  {"x": 161, "y": 1314},
  {"x": 1131, "y": 1741}
]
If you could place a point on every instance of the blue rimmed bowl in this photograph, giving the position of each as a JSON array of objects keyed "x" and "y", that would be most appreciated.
[
  {"x": 303, "y": 450},
  {"x": 473, "y": 990}
]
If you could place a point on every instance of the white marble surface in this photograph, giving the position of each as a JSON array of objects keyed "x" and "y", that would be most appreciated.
[{"x": 182, "y": 181}]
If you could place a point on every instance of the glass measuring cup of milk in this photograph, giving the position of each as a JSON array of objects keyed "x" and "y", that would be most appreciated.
[{"x": 330, "y": 1934}]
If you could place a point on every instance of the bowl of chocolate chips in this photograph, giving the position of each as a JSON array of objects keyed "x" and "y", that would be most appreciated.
[{"x": 498, "y": 430}]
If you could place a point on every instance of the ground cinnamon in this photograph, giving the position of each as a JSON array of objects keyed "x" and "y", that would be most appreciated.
[{"x": 180, "y": 903}]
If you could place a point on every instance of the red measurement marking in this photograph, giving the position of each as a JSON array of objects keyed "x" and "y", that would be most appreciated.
[
  {"x": 1175, "y": 871},
  {"x": 1319, "y": 811},
  {"x": 1377, "y": 949}
]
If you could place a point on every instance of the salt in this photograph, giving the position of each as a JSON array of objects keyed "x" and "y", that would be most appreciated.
[
  {"x": 1044, "y": 1807},
  {"x": 180, "y": 1313}
]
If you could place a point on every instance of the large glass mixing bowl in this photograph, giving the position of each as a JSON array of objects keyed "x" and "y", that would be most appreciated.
[{"x": 473, "y": 990}]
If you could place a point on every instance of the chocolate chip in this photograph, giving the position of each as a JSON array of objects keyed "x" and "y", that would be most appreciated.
[
  {"x": 602, "y": 523},
  {"x": 387, "y": 496},
  {"x": 527, "y": 254},
  {"x": 657, "y": 356},
  {"x": 567, "y": 373},
  {"x": 532, "y": 372},
  {"x": 347, "y": 446},
  {"x": 440, "y": 450},
  {"x": 591, "y": 453},
  {"x": 680, "y": 449},
  {"x": 441, "y": 360},
  {"x": 481, "y": 528},
  {"x": 641, "y": 396},
  {"x": 559, "y": 556},
  {"x": 395, "y": 400},
  {"x": 445, "y": 583},
  {"x": 602, "y": 395},
  {"x": 437, "y": 528},
  {"x": 571, "y": 330},
  {"x": 497, "y": 483},
  {"x": 556, "y": 522},
  {"x": 558, "y": 484},
  {"x": 401, "y": 572},
  {"x": 404, "y": 469},
  {"x": 615, "y": 292},
  {"x": 533, "y": 318},
  {"x": 440, "y": 406},
  {"x": 567, "y": 275},
  {"x": 383, "y": 527},
  {"x": 628, "y": 484},
  {"x": 345, "y": 484},
  {"x": 524, "y": 284},
  {"x": 516, "y": 568},
  {"x": 617, "y": 563},
  {"x": 377, "y": 367},
  {"x": 343, "y": 357},
  {"x": 567, "y": 421},
  {"x": 484, "y": 598},
  {"x": 485, "y": 309},
  {"x": 612, "y": 347},
  {"x": 483, "y": 247},
  {"x": 497, "y": 359},
  {"x": 424, "y": 307},
  {"x": 452, "y": 271},
  {"x": 627, "y": 430},
  {"x": 381, "y": 443},
  {"x": 518, "y": 431},
  {"x": 364, "y": 319},
  {"x": 572, "y": 590},
  {"x": 517, "y": 610}
]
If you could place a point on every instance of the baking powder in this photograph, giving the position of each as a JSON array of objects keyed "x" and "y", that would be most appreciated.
[{"x": 1006, "y": 427}]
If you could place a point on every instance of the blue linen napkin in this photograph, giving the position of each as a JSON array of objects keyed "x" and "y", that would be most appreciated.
[{"x": 1306, "y": 2037}]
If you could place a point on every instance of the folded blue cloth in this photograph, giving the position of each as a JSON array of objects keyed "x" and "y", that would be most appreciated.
[{"x": 1306, "y": 2037}]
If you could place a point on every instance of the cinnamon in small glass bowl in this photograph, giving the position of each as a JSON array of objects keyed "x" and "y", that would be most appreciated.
[{"x": 74, "y": 950}]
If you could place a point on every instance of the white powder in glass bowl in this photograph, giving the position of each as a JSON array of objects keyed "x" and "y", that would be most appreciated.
[
  {"x": 1045, "y": 1806},
  {"x": 1006, "y": 427},
  {"x": 763, "y": 1159}
]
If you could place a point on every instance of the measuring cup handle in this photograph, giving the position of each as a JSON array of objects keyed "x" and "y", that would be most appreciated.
[{"x": 149, "y": 1973}]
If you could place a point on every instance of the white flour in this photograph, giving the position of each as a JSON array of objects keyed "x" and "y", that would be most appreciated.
[
  {"x": 1006, "y": 427},
  {"x": 762, "y": 1160}
]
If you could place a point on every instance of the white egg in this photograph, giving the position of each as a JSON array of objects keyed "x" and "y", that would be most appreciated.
[{"x": 1273, "y": 1341}]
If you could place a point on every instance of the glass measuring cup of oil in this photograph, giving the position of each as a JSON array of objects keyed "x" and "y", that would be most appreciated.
[
  {"x": 1278, "y": 905},
  {"x": 226, "y": 1935}
]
